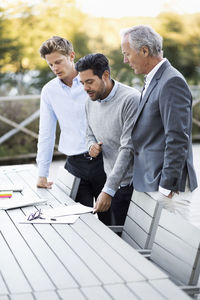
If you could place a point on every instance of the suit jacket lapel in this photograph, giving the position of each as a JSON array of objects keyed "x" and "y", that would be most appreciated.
[{"x": 151, "y": 86}]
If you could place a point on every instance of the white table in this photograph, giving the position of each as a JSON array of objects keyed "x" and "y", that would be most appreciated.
[{"x": 85, "y": 260}]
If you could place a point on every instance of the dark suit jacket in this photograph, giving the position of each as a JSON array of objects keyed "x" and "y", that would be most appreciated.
[{"x": 162, "y": 134}]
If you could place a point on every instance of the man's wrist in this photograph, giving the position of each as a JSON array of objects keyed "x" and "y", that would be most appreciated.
[
  {"x": 164, "y": 191},
  {"x": 108, "y": 191}
]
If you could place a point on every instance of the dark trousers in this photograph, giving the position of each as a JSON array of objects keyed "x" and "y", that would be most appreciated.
[
  {"x": 120, "y": 204},
  {"x": 92, "y": 181}
]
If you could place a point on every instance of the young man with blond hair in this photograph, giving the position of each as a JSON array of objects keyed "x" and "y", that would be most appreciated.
[{"x": 63, "y": 100}]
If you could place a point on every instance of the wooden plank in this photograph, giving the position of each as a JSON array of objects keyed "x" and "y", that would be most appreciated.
[
  {"x": 11, "y": 272},
  {"x": 77, "y": 268},
  {"x": 173, "y": 244},
  {"x": 56, "y": 195},
  {"x": 49, "y": 295},
  {"x": 144, "y": 201},
  {"x": 97, "y": 293},
  {"x": 15, "y": 168},
  {"x": 30, "y": 190},
  {"x": 21, "y": 297},
  {"x": 141, "y": 221},
  {"x": 135, "y": 232},
  {"x": 67, "y": 182},
  {"x": 177, "y": 248},
  {"x": 3, "y": 288},
  {"x": 146, "y": 268},
  {"x": 140, "y": 217},
  {"x": 120, "y": 291},
  {"x": 50, "y": 262},
  {"x": 130, "y": 241},
  {"x": 181, "y": 228},
  {"x": 65, "y": 177},
  {"x": 71, "y": 294},
  {"x": 104, "y": 250},
  {"x": 63, "y": 187},
  {"x": 171, "y": 264},
  {"x": 24, "y": 256},
  {"x": 95, "y": 263},
  {"x": 145, "y": 291},
  {"x": 169, "y": 290}
]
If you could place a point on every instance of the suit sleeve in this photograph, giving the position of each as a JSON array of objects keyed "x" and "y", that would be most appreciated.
[{"x": 175, "y": 108}]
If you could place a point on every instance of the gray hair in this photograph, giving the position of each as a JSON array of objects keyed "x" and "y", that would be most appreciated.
[{"x": 144, "y": 35}]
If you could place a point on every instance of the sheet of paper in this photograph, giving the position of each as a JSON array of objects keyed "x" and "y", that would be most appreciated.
[
  {"x": 61, "y": 220},
  {"x": 13, "y": 202},
  {"x": 11, "y": 187},
  {"x": 68, "y": 210}
]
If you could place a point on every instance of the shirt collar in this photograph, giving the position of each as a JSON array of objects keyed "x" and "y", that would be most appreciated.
[
  {"x": 76, "y": 80},
  {"x": 112, "y": 93},
  {"x": 150, "y": 75}
]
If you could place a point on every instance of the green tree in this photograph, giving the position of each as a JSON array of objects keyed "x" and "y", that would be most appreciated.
[{"x": 181, "y": 46}]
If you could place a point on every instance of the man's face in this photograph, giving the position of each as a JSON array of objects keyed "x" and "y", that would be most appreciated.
[
  {"x": 136, "y": 60},
  {"x": 60, "y": 64},
  {"x": 93, "y": 85}
]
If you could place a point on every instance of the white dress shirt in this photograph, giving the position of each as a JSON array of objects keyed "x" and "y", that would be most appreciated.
[
  {"x": 66, "y": 105},
  {"x": 151, "y": 74}
]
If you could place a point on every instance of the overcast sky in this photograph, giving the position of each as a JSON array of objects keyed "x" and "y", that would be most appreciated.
[{"x": 114, "y": 8}]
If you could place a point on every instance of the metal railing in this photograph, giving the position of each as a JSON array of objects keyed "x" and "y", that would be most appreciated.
[
  {"x": 22, "y": 125},
  {"x": 17, "y": 127}
]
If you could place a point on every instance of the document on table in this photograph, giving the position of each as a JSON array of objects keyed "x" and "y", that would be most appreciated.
[
  {"x": 10, "y": 203},
  {"x": 11, "y": 187},
  {"x": 48, "y": 220},
  {"x": 75, "y": 209}
]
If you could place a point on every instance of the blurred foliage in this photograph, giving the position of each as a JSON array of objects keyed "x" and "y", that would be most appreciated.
[
  {"x": 24, "y": 25},
  {"x": 35, "y": 21}
]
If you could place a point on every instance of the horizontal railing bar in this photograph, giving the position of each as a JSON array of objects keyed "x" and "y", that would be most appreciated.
[{"x": 20, "y": 97}]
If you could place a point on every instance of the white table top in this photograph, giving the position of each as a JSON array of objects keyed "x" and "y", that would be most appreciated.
[{"x": 85, "y": 260}]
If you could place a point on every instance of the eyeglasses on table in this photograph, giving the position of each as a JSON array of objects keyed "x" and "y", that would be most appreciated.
[{"x": 35, "y": 215}]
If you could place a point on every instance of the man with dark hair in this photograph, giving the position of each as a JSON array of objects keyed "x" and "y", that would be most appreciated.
[
  {"x": 63, "y": 100},
  {"x": 110, "y": 114}
]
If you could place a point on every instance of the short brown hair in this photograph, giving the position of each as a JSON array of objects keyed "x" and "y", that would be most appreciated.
[{"x": 56, "y": 43}]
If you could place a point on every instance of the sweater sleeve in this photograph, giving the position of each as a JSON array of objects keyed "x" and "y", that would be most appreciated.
[
  {"x": 125, "y": 154},
  {"x": 89, "y": 133}
]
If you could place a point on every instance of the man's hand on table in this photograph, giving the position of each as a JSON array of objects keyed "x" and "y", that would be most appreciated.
[
  {"x": 103, "y": 202},
  {"x": 44, "y": 183}
]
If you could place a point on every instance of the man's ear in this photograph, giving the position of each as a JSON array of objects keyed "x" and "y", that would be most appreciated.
[
  {"x": 106, "y": 75},
  {"x": 145, "y": 51},
  {"x": 72, "y": 55}
]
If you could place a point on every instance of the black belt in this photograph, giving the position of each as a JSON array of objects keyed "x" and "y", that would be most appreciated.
[
  {"x": 125, "y": 186},
  {"x": 83, "y": 155}
]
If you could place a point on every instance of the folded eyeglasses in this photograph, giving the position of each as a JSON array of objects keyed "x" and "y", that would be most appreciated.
[{"x": 35, "y": 215}]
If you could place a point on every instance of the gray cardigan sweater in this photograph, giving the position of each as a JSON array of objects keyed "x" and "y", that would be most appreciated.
[{"x": 111, "y": 121}]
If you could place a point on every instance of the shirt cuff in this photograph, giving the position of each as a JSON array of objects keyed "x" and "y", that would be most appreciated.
[
  {"x": 43, "y": 172},
  {"x": 164, "y": 191},
  {"x": 108, "y": 191}
]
